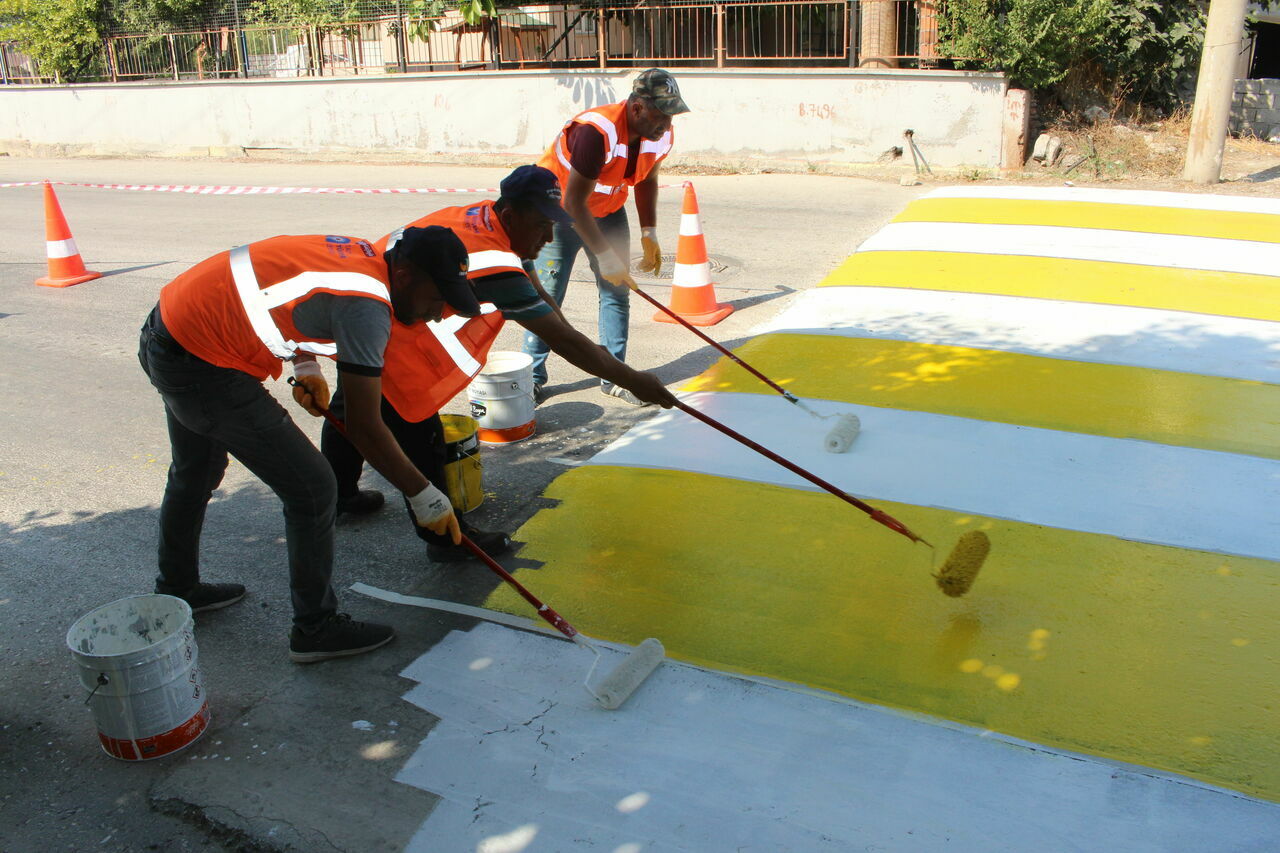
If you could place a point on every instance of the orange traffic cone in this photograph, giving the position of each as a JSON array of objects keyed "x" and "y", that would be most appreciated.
[
  {"x": 65, "y": 266},
  {"x": 693, "y": 296}
]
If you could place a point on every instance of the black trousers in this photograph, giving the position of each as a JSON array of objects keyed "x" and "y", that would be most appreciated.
[
  {"x": 423, "y": 442},
  {"x": 213, "y": 411}
]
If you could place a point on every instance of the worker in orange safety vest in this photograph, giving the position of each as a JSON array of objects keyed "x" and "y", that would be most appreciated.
[
  {"x": 598, "y": 156},
  {"x": 227, "y": 324},
  {"x": 427, "y": 365}
]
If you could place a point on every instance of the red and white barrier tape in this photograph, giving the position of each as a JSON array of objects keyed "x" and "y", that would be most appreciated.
[{"x": 206, "y": 190}]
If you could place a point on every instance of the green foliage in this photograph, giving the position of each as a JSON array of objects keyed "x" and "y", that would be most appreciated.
[
  {"x": 1152, "y": 50},
  {"x": 142, "y": 16},
  {"x": 63, "y": 36},
  {"x": 1036, "y": 42},
  {"x": 305, "y": 13}
]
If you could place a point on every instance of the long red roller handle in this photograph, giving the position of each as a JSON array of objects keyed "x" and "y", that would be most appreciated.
[
  {"x": 876, "y": 515},
  {"x": 553, "y": 618},
  {"x": 683, "y": 322}
]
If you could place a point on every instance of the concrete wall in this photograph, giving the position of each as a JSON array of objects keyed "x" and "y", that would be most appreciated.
[
  {"x": 1255, "y": 109},
  {"x": 799, "y": 116}
]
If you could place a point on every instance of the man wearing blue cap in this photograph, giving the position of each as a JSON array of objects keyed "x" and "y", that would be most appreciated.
[
  {"x": 427, "y": 366},
  {"x": 230, "y": 322},
  {"x": 597, "y": 157}
]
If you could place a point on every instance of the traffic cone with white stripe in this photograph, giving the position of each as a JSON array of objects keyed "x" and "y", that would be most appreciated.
[
  {"x": 693, "y": 296},
  {"x": 65, "y": 266}
]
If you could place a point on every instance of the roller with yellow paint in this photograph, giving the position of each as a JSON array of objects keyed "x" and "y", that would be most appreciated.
[{"x": 962, "y": 565}]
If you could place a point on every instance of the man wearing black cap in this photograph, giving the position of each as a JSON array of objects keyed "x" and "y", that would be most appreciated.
[
  {"x": 427, "y": 365},
  {"x": 597, "y": 156},
  {"x": 230, "y": 322}
]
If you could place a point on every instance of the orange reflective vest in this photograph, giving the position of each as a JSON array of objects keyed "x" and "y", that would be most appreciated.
[
  {"x": 428, "y": 363},
  {"x": 236, "y": 309},
  {"x": 610, "y": 192}
]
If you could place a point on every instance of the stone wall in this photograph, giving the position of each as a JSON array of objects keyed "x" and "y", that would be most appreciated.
[{"x": 1255, "y": 111}]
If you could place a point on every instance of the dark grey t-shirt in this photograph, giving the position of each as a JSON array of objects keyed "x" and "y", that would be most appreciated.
[{"x": 358, "y": 325}]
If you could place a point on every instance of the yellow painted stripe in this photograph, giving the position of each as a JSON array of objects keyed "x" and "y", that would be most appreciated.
[
  {"x": 1230, "y": 225},
  {"x": 1118, "y": 401},
  {"x": 1205, "y": 292},
  {"x": 1077, "y": 640}
]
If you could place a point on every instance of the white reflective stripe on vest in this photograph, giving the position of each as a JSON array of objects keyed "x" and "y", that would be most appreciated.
[
  {"x": 607, "y": 128},
  {"x": 659, "y": 148},
  {"x": 490, "y": 258},
  {"x": 61, "y": 248},
  {"x": 258, "y": 301},
  {"x": 255, "y": 307},
  {"x": 446, "y": 332}
]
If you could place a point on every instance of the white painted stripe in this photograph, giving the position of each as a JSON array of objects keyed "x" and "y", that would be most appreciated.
[
  {"x": 1088, "y": 244},
  {"x": 1080, "y": 331},
  {"x": 1185, "y": 201},
  {"x": 1180, "y": 496},
  {"x": 61, "y": 248},
  {"x": 690, "y": 225},
  {"x": 490, "y": 258},
  {"x": 255, "y": 308},
  {"x": 518, "y": 759}
]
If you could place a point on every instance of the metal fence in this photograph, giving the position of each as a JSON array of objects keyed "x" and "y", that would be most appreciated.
[{"x": 780, "y": 33}]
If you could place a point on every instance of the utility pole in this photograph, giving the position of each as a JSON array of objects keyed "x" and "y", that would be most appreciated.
[{"x": 1223, "y": 43}]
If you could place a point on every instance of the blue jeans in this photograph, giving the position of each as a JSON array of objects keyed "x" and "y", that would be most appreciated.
[
  {"x": 213, "y": 411},
  {"x": 555, "y": 264}
]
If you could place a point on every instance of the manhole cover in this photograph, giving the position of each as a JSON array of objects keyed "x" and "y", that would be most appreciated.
[{"x": 721, "y": 266}]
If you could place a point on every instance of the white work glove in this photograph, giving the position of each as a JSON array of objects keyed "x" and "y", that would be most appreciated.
[
  {"x": 614, "y": 270},
  {"x": 652, "y": 262},
  {"x": 312, "y": 391},
  {"x": 433, "y": 511}
]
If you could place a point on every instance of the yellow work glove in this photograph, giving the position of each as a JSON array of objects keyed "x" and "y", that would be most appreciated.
[
  {"x": 652, "y": 262},
  {"x": 614, "y": 270},
  {"x": 432, "y": 510},
  {"x": 311, "y": 391}
]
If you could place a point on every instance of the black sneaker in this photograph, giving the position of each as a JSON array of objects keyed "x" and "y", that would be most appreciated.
[
  {"x": 492, "y": 543},
  {"x": 622, "y": 394},
  {"x": 212, "y": 596},
  {"x": 337, "y": 636},
  {"x": 539, "y": 393},
  {"x": 361, "y": 503}
]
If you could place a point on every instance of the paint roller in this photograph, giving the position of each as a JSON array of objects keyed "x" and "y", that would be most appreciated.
[
  {"x": 841, "y": 436},
  {"x": 619, "y": 683},
  {"x": 958, "y": 570}
]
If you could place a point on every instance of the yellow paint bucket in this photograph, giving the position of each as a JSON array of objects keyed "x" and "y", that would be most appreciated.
[{"x": 462, "y": 467}]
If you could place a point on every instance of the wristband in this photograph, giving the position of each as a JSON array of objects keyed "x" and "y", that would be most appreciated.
[
  {"x": 649, "y": 232},
  {"x": 310, "y": 367}
]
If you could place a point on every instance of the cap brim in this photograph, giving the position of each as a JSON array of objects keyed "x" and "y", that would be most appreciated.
[
  {"x": 554, "y": 212},
  {"x": 457, "y": 293},
  {"x": 677, "y": 108}
]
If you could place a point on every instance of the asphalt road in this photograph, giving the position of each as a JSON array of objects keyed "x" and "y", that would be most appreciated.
[{"x": 288, "y": 762}]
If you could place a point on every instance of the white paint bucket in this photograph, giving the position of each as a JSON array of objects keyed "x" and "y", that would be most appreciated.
[
  {"x": 501, "y": 398},
  {"x": 137, "y": 659}
]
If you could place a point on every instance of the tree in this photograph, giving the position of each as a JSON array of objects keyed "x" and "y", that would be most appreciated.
[
  {"x": 1036, "y": 42},
  {"x": 64, "y": 37}
]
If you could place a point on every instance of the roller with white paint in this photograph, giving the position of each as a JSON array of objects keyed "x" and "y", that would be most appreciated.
[
  {"x": 841, "y": 436},
  {"x": 620, "y": 682}
]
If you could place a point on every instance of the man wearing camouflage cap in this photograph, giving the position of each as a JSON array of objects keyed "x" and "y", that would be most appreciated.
[{"x": 597, "y": 156}]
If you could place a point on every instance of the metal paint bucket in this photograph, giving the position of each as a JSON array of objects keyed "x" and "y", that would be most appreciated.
[
  {"x": 462, "y": 469},
  {"x": 501, "y": 398},
  {"x": 137, "y": 659}
]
